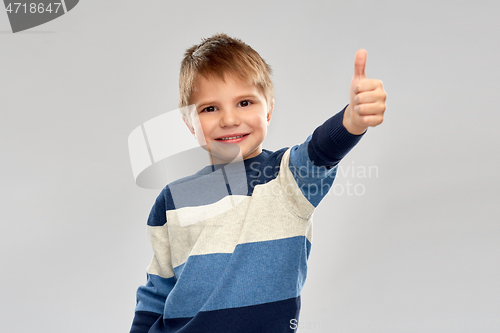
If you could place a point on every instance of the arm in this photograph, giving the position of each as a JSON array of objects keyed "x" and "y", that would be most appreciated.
[
  {"x": 314, "y": 163},
  {"x": 160, "y": 277},
  {"x": 331, "y": 141}
]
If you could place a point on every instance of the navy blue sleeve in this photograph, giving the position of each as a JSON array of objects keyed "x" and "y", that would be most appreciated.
[
  {"x": 143, "y": 321},
  {"x": 331, "y": 142}
]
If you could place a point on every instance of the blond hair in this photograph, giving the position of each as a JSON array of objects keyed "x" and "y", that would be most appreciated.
[{"x": 218, "y": 56}]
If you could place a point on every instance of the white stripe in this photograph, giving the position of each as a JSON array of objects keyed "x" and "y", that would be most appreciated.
[
  {"x": 161, "y": 264},
  {"x": 276, "y": 210}
]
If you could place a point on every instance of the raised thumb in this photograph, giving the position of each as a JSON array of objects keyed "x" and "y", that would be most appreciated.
[{"x": 359, "y": 64}]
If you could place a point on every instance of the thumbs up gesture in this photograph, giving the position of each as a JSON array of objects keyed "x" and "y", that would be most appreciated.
[{"x": 367, "y": 99}]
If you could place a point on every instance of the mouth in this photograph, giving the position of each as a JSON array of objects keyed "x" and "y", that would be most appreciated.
[{"x": 233, "y": 138}]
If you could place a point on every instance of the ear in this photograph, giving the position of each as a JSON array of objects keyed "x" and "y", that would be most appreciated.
[
  {"x": 270, "y": 112},
  {"x": 188, "y": 124}
]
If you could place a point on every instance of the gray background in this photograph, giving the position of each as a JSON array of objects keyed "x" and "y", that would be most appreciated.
[{"x": 417, "y": 252}]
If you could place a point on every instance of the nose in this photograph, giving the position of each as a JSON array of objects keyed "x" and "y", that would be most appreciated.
[{"x": 229, "y": 117}]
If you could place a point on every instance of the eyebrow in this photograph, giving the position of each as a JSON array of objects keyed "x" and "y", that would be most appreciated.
[{"x": 240, "y": 97}]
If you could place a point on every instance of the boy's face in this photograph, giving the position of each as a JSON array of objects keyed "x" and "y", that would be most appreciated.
[{"x": 230, "y": 114}]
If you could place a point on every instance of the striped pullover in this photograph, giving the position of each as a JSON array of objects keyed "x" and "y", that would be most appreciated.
[{"x": 231, "y": 242}]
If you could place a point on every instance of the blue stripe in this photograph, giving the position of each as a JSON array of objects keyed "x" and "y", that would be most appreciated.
[
  {"x": 157, "y": 216},
  {"x": 274, "y": 317},
  {"x": 314, "y": 181},
  {"x": 151, "y": 297},
  {"x": 255, "y": 273}
]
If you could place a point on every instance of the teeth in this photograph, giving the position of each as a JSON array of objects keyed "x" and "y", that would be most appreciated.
[{"x": 233, "y": 137}]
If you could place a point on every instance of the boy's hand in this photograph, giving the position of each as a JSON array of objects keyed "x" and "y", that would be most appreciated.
[{"x": 367, "y": 99}]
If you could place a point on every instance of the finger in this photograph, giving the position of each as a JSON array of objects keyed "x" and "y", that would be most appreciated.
[
  {"x": 371, "y": 96},
  {"x": 371, "y": 120},
  {"x": 376, "y": 108},
  {"x": 368, "y": 85},
  {"x": 360, "y": 64}
]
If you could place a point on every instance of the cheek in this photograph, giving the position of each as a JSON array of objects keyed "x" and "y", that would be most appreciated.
[{"x": 258, "y": 122}]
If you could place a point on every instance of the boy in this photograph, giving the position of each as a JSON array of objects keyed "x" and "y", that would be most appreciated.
[{"x": 240, "y": 263}]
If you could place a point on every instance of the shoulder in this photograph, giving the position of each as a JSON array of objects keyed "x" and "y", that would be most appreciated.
[
  {"x": 264, "y": 167},
  {"x": 164, "y": 201}
]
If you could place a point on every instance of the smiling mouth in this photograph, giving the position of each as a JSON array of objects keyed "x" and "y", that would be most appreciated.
[{"x": 232, "y": 137}]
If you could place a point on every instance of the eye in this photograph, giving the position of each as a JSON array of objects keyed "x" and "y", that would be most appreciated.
[
  {"x": 209, "y": 109},
  {"x": 244, "y": 103}
]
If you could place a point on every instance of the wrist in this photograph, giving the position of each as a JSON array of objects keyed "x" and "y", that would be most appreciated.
[{"x": 348, "y": 123}]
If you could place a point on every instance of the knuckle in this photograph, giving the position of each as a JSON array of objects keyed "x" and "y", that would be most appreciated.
[{"x": 382, "y": 107}]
